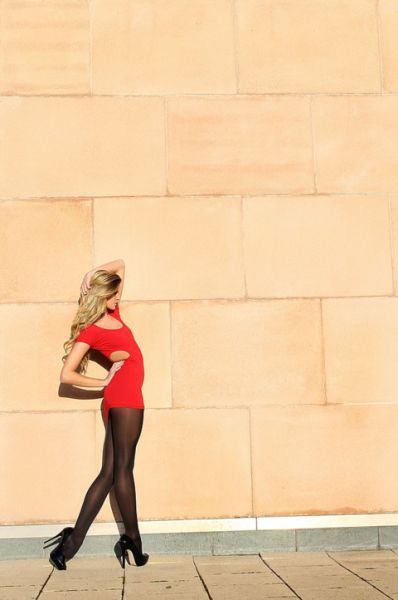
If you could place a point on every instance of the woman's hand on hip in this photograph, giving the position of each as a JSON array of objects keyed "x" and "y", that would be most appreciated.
[{"x": 115, "y": 367}]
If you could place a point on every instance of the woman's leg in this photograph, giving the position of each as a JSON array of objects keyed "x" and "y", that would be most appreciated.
[
  {"x": 94, "y": 499},
  {"x": 126, "y": 430}
]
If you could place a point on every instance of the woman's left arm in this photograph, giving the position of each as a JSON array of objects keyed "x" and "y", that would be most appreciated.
[{"x": 115, "y": 266}]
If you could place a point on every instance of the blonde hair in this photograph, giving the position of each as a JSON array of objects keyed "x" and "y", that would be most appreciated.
[{"x": 92, "y": 306}]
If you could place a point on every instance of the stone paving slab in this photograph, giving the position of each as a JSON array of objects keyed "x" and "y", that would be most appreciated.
[
  {"x": 83, "y": 595},
  {"x": 251, "y": 592},
  {"x": 298, "y": 558},
  {"x": 28, "y": 572},
  {"x": 162, "y": 589},
  {"x": 310, "y": 575},
  {"x": 345, "y": 594},
  {"x": 19, "y": 593},
  {"x": 377, "y": 568}
]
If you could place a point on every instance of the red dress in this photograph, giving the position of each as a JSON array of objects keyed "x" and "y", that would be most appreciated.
[{"x": 124, "y": 388}]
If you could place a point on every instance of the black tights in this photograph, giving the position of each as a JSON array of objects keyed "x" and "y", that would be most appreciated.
[{"x": 121, "y": 437}]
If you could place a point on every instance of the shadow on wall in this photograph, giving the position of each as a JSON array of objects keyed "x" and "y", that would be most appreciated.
[{"x": 67, "y": 390}]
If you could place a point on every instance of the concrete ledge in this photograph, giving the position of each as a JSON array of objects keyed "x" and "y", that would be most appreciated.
[{"x": 218, "y": 536}]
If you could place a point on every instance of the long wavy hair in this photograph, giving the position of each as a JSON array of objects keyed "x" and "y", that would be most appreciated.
[{"x": 92, "y": 306}]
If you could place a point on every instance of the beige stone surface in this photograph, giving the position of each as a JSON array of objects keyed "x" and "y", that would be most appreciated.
[
  {"x": 48, "y": 459},
  {"x": 175, "y": 247},
  {"x": 45, "y": 47},
  {"x": 23, "y": 572},
  {"x": 189, "y": 590},
  {"x": 254, "y": 591},
  {"x": 240, "y": 156},
  {"x": 302, "y": 558},
  {"x": 313, "y": 574},
  {"x": 239, "y": 145},
  {"x": 233, "y": 578},
  {"x": 31, "y": 360},
  {"x": 394, "y": 238},
  {"x": 22, "y": 593},
  {"x": 227, "y": 562},
  {"x": 349, "y": 156},
  {"x": 364, "y": 557},
  {"x": 193, "y": 464},
  {"x": 347, "y": 591},
  {"x": 177, "y": 576},
  {"x": 332, "y": 459},
  {"x": 317, "y": 245},
  {"x": 84, "y": 594},
  {"x": 54, "y": 146},
  {"x": 307, "y": 46},
  {"x": 389, "y": 43},
  {"x": 164, "y": 567},
  {"x": 240, "y": 576},
  {"x": 247, "y": 353},
  {"x": 84, "y": 574},
  {"x": 166, "y": 47},
  {"x": 100, "y": 566},
  {"x": 379, "y": 568},
  {"x": 310, "y": 584},
  {"x": 45, "y": 247},
  {"x": 361, "y": 349}
]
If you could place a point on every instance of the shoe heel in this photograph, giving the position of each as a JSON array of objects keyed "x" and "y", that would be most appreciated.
[
  {"x": 56, "y": 537},
  {"x": 140, "y": 558},
  {"x": 52, "y": 538},
  {"x": 57, "y": 558}
]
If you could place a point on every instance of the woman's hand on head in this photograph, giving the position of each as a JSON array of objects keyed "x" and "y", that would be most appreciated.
[{"x": 85, "y": 285}]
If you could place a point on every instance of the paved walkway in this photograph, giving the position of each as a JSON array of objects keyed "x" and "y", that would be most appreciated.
[{"x": 337, "y": 575}]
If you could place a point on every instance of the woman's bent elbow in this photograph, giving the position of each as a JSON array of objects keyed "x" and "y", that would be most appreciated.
[{"x": 64, "y": 377}]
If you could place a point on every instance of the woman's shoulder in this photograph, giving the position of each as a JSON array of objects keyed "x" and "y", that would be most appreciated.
[{"x": 88, "y": 334}]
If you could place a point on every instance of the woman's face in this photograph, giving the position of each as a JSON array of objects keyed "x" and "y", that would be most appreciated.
[{"x": 113, "y": 300}]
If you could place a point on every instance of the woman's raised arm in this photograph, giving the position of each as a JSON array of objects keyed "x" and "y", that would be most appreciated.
[{"x": 115, "y": 266}]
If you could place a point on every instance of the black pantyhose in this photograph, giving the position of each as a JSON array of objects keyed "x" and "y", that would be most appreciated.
[{"x": 122, "y": 434}]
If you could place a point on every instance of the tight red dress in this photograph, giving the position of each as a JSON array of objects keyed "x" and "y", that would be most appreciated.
[{"x": 124, "y": 388}]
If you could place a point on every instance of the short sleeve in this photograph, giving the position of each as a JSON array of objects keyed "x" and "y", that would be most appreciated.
[{"x": 86, "y": 335}]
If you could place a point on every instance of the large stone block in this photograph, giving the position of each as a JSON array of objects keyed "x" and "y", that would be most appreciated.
[
  {"x": 317, "y": 245},
  {"x": 239, "y": 145},
  {"x": 327, "y": 459},
  {"x": 355, "y": 143},
  {"x": 389, "y": 43},
  {"x": 48, "y": 463},
  {"x": 307, "y": 46},
  {"x": 247, "y": 353},
  {"x": 81, "y": 146},
  {"x": 45, "y": 247},
  {"x": 45, "y": 47},
  {"x": 164, "y": 47},
  {"x": 361, "y": 349}
]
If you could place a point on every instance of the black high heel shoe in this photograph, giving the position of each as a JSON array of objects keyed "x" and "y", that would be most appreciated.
[
  {"x": 57, "y": 559},
  {"x": 126, "y": 543}
]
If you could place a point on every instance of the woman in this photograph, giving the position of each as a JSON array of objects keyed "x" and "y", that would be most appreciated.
[{"x": 97, "y": 324}]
